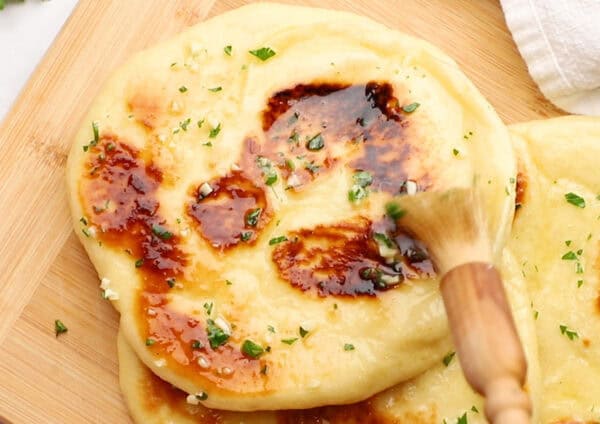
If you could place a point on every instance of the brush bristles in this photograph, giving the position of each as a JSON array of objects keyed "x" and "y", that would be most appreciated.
[{"x": 451, "y": 224}]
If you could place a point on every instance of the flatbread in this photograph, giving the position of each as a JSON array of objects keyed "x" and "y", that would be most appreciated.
[
  {"x": 439, "y": 394},
  {"x": 223, "y": 201},
  {"x": 556, "y": 243}
]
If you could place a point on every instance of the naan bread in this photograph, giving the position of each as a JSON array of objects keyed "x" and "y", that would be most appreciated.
[
  {"x": 232, "y": 200},
  {"x": 439, "y": 394},
  {"x": 556, "y": 243}
]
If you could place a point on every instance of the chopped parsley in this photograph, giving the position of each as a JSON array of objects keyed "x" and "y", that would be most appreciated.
[
  {"x": 171, "y": 282},
  {"x": 83, "y": 220},
  {"x": 348, "y": 347},
  {"x": 215, "y": 89},
  {"x": 474, "y": 409},
  {"x": 567, "y": 332},
  {"x": 302, "y": 332},
  {"x": 139, "y": 262},
  {"x": 197, "y": 344},
  {"x": 383, "y": 239},
  {"x": 161, "y": 232},
  {"x": 462, "y": 419},
  {"x": 228, "y": 282},
  {"x": 207, "y": 144},
  {"x": 201, "y": 396},
  {"x": 569, "y": 256},
  {"x": 251, "y": 349},
  {"x": 394, "y": 211},
  {"x": 575, "y": 200},
  {"x": 411, "y": 107},
  {"x": 358, "y": 191},
  {"x": 216, "y": 336},
  {"x": 246, "y": 235},
  {"x": 150, "y": 342},
  {"x": 363, "y": 178},
  {"x": 568, "y": 243},
  {"x": 579, "y": 283},
  {"x": 253, "y": 217},
  {"x": 59, "y": 327},
  {"x": 183, "y": 89},
  {"x": 208, "y": 307},
  {"x": 315, "y": 143},
  {"x": 289, "y": 341},
  {"x": 448, "y": 358},
  {"x": 200, "y": 122},
  {"x": 184, "y": 124},
  {"x": 264, "y": 53},
  {"x": 227, "y": 50},
  {"x": 215, "y": 131},
  {"x": 455, "y": 152},
  {"x": 96, "y": 139},
  {"x": 277, "y": 240},
  {"x": 271, "y": 328}
]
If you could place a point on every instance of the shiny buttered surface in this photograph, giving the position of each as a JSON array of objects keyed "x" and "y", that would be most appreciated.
[{"x": 233, "y": 189}]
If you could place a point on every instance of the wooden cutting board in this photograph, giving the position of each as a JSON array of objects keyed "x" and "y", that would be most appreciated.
[{"x": 44, "y": 272}]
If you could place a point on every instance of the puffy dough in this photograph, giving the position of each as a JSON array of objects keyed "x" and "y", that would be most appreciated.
[{"x": 234, "y": 206}]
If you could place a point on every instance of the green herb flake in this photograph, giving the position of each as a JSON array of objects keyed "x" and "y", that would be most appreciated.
[
  {"x": 455, "y": 152},
  {"x": 246, "y": 235},
  {"x": 150, "y": 342},
  {"x": 171, "y": 282},
  {"x": 271, "y": 178},
  {"x": 96, "y": 132},
  {"x": 536, "y": 314},
  {"x": 315, "y": 143},
  {"x": 410, "y": 108},
  {"x": 59, "y": 327},
  {"x": 184, "y": 124},
  {"x": 362, "y": 178},
  {"x": 207, "y": 144},
  {"x": 357, "y": 193},
  {"x": 578, "y": 268},
  {"x": 264, "y": 53},
  {"x": 348, "y": 347},
  {"x": 569, "y": 256},
  {"x": 197, "y": 344},
  {"x": 394, "y": 211},
  {"x": 579, "y": 283},
  {"x": 139, "y": 262},
  {"x": 568, "y": 243},
  {"x": 253, "y": 217},
  {"x": 277, "y": 240},
  {"x": 289, "y": 341},
  {"x": 462, "y": 419},
  {"x": 448, "y": 358},
  {"x": 183, "y": 89},
  {"x": 271, "y": 329},
  {"x": 161, "y": 232},
  {"x": 216, "y": 336},
  {"x": 302, "y": 332},
  {"x": 251, "y": 349},
  {"x": 575, "y": 200},
  {"x": 214, "y": 132},
  {"x": 227, "y": 50},
  {"x": 572, "y": 335},
  {"x": 201, "y": 396},
  {"x": 215, "y": 89},
  {"x": 383, "y": 239},
  {"x": 200, "y": 122},
  {"x": 474, "y": 409},
  {"x": 228, "y": 282},
  {"x": 208, "y": 307},
  {"x": 83, "y": 220}
]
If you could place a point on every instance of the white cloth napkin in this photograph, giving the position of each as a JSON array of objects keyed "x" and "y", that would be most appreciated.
[{"x": 560, "y": 42}]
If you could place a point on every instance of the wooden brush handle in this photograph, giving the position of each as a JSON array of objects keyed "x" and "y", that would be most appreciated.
[{"x": 486, "y": 340}]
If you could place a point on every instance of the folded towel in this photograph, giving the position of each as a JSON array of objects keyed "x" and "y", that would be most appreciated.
[{"x": 560, "y": 42}]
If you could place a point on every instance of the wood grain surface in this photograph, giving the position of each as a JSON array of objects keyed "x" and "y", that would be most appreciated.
[{"x": 44, "y": 272}]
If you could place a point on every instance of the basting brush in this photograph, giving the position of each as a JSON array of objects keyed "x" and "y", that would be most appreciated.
[{"x": 452, "y": 225}]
